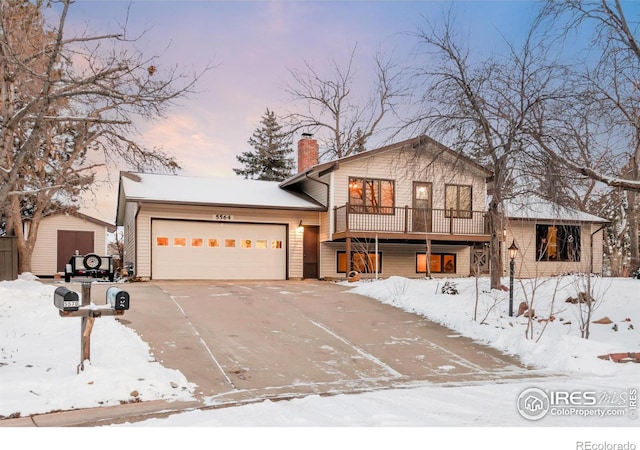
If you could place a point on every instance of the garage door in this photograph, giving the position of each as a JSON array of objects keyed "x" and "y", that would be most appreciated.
[{"x": 185, "y": 250}]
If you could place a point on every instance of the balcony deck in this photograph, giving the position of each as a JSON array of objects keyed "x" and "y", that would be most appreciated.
[{"x": 404, "y": 223}]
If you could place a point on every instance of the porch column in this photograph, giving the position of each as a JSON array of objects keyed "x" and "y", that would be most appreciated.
[
  {"x": 348, "y": 255},
  {"x": 428, "y": 253},
  {"x": 406, "y": 218}
]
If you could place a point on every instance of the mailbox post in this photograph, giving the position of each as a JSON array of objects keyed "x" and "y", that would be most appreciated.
[
  {"x": 86, "y": 326},
  {"x": 70, "y": 304}
]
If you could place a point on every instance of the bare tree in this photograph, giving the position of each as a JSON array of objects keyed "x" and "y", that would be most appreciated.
[
  {"x": 68, "y": 105},
  {"x": 611, "y": 205},
  {"x": 480, "y": 108},
  {"x": 333, "y": 106},
  {"x": 610, "y": 83},
  {"x": 581, "y": 129}
]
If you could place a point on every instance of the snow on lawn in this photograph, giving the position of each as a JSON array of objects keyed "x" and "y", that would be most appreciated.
[
  {"x": 555, "y": 331},
  {"x": 40, "y": 353}
]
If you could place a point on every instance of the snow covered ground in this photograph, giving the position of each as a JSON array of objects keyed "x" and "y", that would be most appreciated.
[{"x": 591, "y": 399}]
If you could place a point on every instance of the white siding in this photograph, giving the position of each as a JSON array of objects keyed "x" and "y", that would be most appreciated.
[
  {"x": 526, "y": 265},
  {"x": 129, "y": 233},
  {"x": 397, "y": 259},
  {"x": 404, "y": 169},
  {"x": 45, "y": 251},
  {"x": 316, "y": 190}
]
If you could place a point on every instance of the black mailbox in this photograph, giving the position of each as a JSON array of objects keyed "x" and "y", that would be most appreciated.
[
  {"x": 117, "y": 298},
  {"x": 66, "y": 300}
]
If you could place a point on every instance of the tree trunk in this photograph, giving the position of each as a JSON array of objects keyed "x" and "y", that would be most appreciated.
[
  {"x": 495, "y": 231},
  {"x": 632, "y": 218},
  {"x": 632, "y": 212},
  {"x": 25, "y": 243}
]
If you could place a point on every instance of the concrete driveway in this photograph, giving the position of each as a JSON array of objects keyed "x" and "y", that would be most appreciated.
[{"x": 245, "y": 341}]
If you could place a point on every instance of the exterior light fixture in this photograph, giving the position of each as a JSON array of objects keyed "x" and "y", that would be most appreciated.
[
  {"x": 300, "y": 228},
  {"x": 513, "y": 252}
]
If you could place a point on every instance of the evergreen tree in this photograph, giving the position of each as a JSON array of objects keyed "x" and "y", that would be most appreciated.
[{"x": 272, "y": 158}]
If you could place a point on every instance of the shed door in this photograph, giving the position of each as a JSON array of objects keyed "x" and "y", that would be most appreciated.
[
  {"x": 193, "y": 250},
  {"x": 69, "y": 242}
]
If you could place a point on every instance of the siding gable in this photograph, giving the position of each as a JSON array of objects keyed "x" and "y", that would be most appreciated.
[{"x": 405, "y": 167}]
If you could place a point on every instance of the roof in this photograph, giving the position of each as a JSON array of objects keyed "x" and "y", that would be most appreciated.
[
  {"x": 415, "y": 143},
  {"x": 532, "y": 207},
  {"x": 110, "y": 227},
  {"x": 235, "y": 192}
]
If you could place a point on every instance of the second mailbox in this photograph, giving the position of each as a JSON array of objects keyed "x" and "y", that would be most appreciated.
[{"x": 117, "y": 298}]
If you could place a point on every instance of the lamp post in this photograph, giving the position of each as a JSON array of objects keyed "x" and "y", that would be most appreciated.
[{"x": 513, "y": 252}]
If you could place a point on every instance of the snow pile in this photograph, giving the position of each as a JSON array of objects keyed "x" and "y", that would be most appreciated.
[
  {"x": 551, "y": 339},
  {"x": 40, "y": 354}
]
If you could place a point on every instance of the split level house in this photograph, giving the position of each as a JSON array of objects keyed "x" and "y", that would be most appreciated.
[{"x": 372, "y": 213}]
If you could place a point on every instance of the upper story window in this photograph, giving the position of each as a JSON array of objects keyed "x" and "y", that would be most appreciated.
[
  {"x": 457, "y": 201},
  {"x": 558, "y": 242},
  {"x": 371, "y": 196}
]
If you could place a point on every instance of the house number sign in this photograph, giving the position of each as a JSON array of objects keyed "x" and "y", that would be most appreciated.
[{"x": 225, "y": 217}]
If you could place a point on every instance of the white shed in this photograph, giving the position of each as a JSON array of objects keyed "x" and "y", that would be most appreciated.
[{"x": 61, "y": 235}]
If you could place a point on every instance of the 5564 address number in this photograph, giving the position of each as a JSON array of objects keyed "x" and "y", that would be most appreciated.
[{"x": 226, "y": 217}]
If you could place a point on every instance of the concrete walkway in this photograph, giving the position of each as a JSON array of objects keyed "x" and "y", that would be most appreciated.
[{"x": 243, "y": 342}]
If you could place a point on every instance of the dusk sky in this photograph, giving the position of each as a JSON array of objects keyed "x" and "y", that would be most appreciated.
[{"x": 252, "y": 45}]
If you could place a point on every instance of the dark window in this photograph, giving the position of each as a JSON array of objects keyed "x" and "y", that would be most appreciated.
[
  {"x": 371, "y": 196},
  {"x": 361, "y": 262},
  {"x": 440, "y": 263},
  {"x": 457, "y": 201},
  {"x": 558, "y": 243}
]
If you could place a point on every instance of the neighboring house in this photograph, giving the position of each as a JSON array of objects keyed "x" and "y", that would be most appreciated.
[
  {"x": 378, "y": 211},
  {"x": 551, "y": 239},
  {"x": 60, "y": 235}
]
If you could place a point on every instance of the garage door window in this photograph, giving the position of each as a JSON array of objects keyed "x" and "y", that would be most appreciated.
[
  {"x": 229, "y": 243},
  {"x": 261, "y": 243},
  {"x": 214, "y": 243},
  {"x": 197, "y": 242},
  {"x": 179, "y": 242},
  {"x": 276, "y": 244},
  {"x": 245, "y": 243},
  {"x": 162, "y": 241}
]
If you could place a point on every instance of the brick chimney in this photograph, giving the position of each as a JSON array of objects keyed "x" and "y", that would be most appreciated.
[{"x": 307, "y": 152}]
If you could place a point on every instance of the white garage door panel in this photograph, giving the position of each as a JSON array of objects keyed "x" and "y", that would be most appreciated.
[{"x": 204, "y": 262}]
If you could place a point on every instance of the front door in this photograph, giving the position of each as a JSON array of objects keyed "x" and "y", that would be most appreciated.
[
  {"x": 310, "y": 252},
  {"x": 421, "y": 217}
]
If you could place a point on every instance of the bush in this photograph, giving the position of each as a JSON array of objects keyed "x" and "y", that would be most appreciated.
[{"x": 450, "y": 288}]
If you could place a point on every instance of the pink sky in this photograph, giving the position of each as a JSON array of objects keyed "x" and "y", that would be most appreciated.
[{"x": 252, "y": 45}]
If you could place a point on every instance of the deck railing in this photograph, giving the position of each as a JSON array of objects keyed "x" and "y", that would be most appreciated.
[{"x": 408, "y": 220}]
